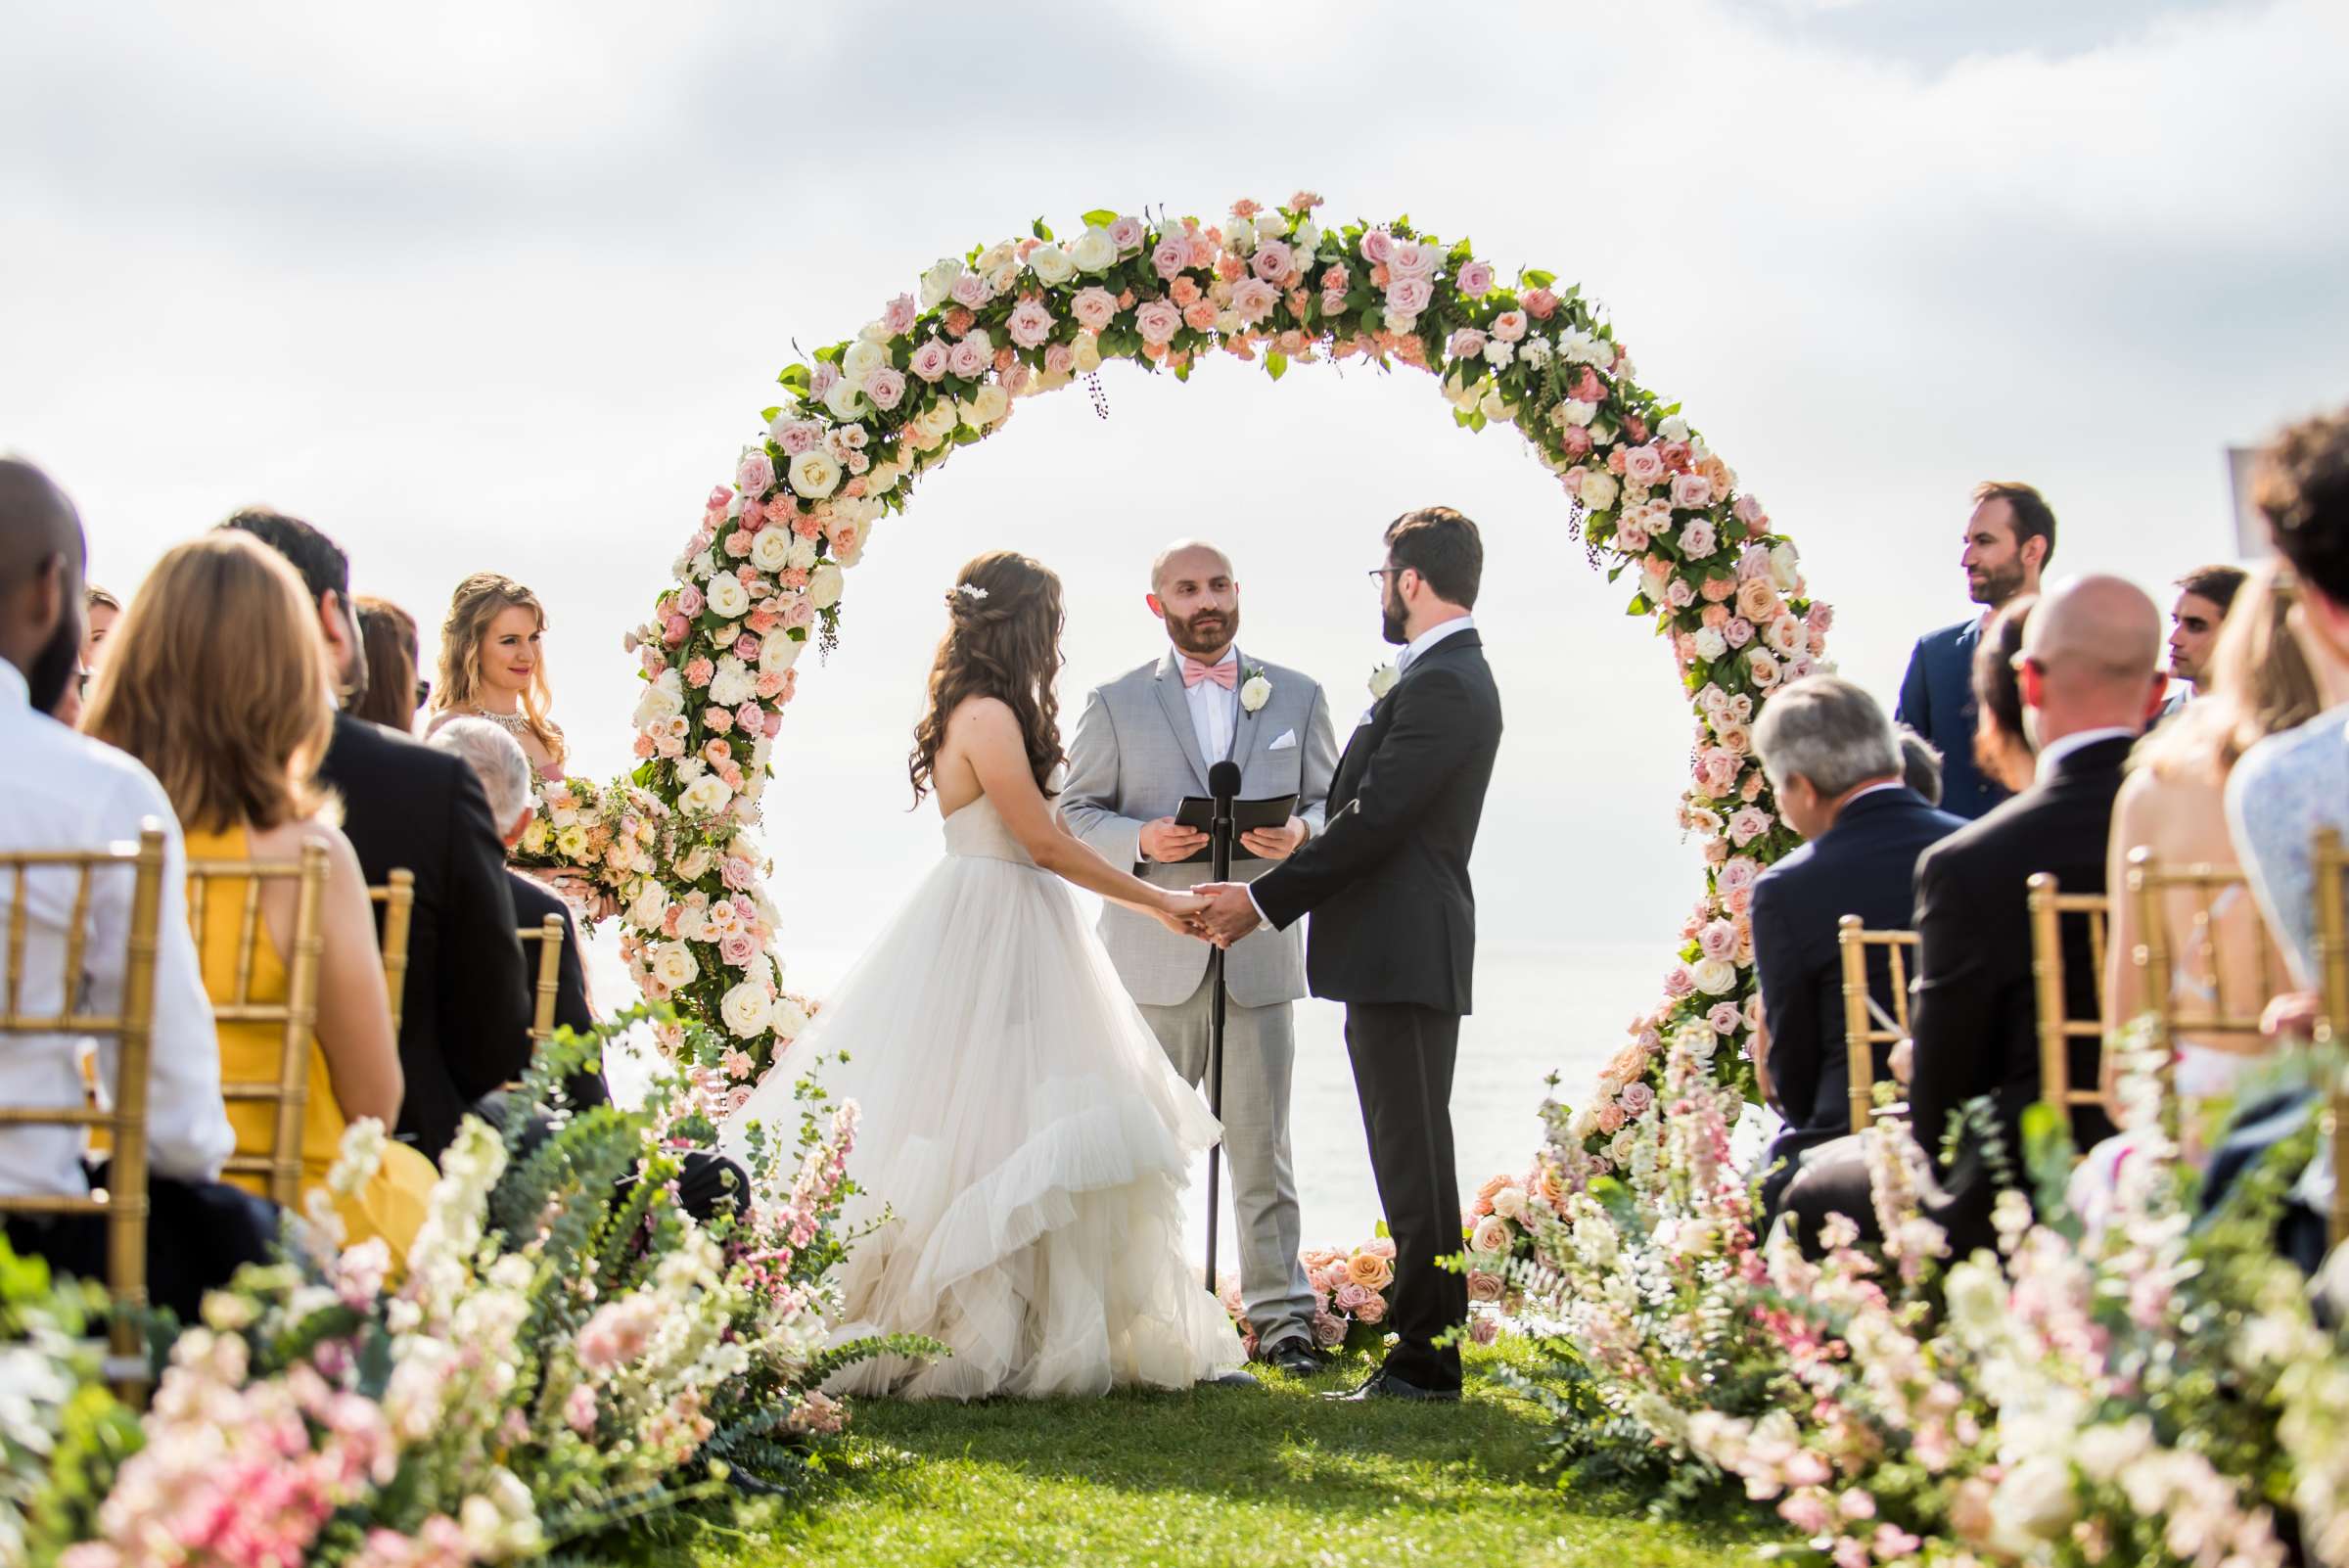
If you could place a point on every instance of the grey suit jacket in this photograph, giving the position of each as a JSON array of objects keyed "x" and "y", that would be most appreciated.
[{"x": 1134, "y": 758}]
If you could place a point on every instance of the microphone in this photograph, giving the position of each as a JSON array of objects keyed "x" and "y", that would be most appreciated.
[{"x": 1224, "y": 781}]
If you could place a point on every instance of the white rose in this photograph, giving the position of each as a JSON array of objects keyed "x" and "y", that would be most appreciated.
[
  {"x": 1094, "y": 252},
  {"x": 1052, "y": 265},
  {"x": 1087, "y": 353},
  {"x": 706, "y": 796},
  {"x": 816, "y": 474},
  {"x": 694, "y": 865},
  {"x": 1461, "y": 393},
  {"x": 673, "y": 965},
  {"x": 1574, "y": 411},
  {"x": 727, "y": 597},
  {"x": 787, "y": 1017},
  {"x": 1715, "y": 977},
  {"x": 1239, "y": 236},
  {"x": 824, "y": 586},
  {"x": 1306, "y": 239},
  {"x": 987, "y": 405},
  {"x": 1382, "y": 681},
  {"x": 731, "y": 686},
  {"x": 1509, "y": 1203},
  {"x": 862, "y": 360},
  {"x": 1598, "y": 489},
  {"x": 1710, "y": 643},
  {"x": 662, "y": 701},
  {"x": 846, "y": 399},
  {"x": 2034, "y": 1503},
  {"x": 1496, "y": 410},
  {"x": 745, "y": 1009},
  {"x": 939, "y": 281},
  {"x": 778, "y": 653},
  {"x": 1254, "y": 692},
  {"x": 1673, "y": 428},
  {"x": 770, "y": 549},
  {"x": 939, "y": 419},
  {"x": 651, "y": 903},
  {"x": 1785, "y": 567}
]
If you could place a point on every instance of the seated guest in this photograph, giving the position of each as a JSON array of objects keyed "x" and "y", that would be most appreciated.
[
  {"x": 464, "y": 1025},
  {"x": 63, "y": 791},
  {"x": 498, "y": 760},
  {"x": 2206, "y": 598},
  {"x": 388, "y": 642},
  {"x": 234, "y": 727},
  {"x": 2087, "y": 683},
  {"x": 2000, "y": 745},
  {"x": 101, "y": 610},
  {"x": 1921, "y": 764},
  {"x": 1836, "y": 766}
]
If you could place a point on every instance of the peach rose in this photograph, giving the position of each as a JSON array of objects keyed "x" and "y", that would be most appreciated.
[
  {"x": 1485, "y": 1287},
  {"x": 1370, "y": 1271}
]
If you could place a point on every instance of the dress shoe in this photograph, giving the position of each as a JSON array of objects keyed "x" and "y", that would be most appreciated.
[
  {"x": 1295, "y": 1356},
  {"x": 1385, "y": 1385},
  {"x": 1235, "y": 1378}
]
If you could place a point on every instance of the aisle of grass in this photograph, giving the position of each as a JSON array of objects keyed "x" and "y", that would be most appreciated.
[{"x": 1211, "y": 1478}]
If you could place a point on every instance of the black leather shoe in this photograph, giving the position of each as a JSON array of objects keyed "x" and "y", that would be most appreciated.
[
  {"x": 1294, "y": 1356},
  {"x": 1385, "y": 1385}
]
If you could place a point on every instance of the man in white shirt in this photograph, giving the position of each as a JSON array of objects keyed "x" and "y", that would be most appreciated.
[{"x": 64, "y": 791}]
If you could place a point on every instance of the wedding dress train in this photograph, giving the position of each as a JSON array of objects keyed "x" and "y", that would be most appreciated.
[{"x": 1027, "y": 1134}]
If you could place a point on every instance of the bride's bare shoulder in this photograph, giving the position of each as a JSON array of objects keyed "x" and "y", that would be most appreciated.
[{"x": 981, "y": 715}]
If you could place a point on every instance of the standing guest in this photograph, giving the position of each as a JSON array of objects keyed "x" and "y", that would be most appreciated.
[
  {"x": 2205, "y": 595},
  {"x": 1921, "y": 764},
  {"x": 387, "y": 636},
  {"x": 464, "y": 1030},
  {"x": 63, "y": 791},
  {"x": 101, "y": 610},
  {"x": 2000, "y": 744},
  {"x": 2008, "y": 541},
  {"x": 492, "y": 666},
  {"x": 1837, "y": 768},
  {"x": 234, "y": 727}
]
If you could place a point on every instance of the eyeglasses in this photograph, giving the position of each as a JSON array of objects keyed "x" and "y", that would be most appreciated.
[{"x": 1388, "y": 571}]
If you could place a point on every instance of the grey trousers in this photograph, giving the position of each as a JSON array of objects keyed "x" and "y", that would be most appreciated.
[{"x": 1260, "y": 1043}]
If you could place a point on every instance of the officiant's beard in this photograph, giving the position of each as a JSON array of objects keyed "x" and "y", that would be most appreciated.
[{"x": 1223, "y": 631}]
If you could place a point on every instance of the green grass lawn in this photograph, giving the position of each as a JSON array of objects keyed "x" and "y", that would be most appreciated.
[{"x": 1212, "y": 1477}]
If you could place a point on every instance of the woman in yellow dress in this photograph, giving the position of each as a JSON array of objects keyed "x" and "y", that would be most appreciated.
[{"x": 217, "y": 679}]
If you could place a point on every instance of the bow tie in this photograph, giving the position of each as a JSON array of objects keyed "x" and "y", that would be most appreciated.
[{"x": 1225, "y": 675}]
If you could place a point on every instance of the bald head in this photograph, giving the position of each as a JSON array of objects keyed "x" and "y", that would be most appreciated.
[
  {"x": 1193, "y": 590},
  {"x": 1193, "y": 559},
  {"x": 2093, "y": 649},
  {"x": 40, "y": 581}
]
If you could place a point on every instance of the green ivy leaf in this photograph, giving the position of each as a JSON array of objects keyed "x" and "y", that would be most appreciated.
[
  {"x": 769, "y": 414},
  {"x": 795, "y": 377},
  {"x": 1641, "y": 606},
  {"x": 1100, "y": 217},
  {"x": 1538, "y": 279},
  {"x": 1182, "y": 372},
  {"x": 1276, "y": 365},
  {"x": 1038, "y": 229}
]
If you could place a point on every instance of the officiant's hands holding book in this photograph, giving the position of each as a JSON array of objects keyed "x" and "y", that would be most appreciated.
[
  {"x": 1276, "y": 843},
  {"x": 1168, "y": 841}
]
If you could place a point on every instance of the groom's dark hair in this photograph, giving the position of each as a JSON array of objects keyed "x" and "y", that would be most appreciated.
[{"x": 1443, "y": 548}]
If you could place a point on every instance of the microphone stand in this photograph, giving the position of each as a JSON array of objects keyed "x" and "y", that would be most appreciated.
[{"x": 1220, "y": 852}]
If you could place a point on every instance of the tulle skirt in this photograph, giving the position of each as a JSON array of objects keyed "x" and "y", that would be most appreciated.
[{"x": 1031, "y": 1145}]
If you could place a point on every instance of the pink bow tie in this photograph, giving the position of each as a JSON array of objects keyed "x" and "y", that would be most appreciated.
[{"x": 1225, "y": 675}]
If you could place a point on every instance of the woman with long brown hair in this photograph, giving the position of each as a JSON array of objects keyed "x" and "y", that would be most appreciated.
[
  {"x": 233, "y": 729},
  {"x": 1036, "y": 1139},
  {"x": 387, "y": 637},
  {"x": 492, "y": 666}
]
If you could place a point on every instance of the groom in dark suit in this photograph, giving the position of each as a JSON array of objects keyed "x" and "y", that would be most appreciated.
[{"x": 1394, "y": 931}]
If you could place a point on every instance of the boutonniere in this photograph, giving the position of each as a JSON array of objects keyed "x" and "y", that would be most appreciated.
[
  {"x": 1382, "y": 681},
  {"x": 1255, "y": 689}
]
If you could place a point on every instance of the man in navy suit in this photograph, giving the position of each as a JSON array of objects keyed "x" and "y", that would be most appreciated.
[
  {"x": 1836, "y": 766},
  {"x": 2008, "y": 541}
]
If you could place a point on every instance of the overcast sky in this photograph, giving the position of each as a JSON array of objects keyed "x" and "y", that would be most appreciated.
[{"x": 506, "y": 286}]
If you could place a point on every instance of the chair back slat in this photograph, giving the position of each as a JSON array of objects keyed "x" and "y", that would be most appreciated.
[
  {"x": 1864, "y": 1026},
  {"x": 548, "y": 934},
  {"x": 398, "y": 898},
  {"x": 296, "y": 1016},
  {"x": 2333, "y": 972},
  {"x": 122, "y": 1112},
  {"x": 2050, "y": 908},
  {"x": 2153, "y": 889}
]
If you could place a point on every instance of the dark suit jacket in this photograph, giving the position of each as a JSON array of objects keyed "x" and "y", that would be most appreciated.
[
  {"x": 1975, "y": 1017},
  {"x": 1864, "y": 865},
  {"x": 1386, "y": 880},
  {"x": 534, "y": 901},
  {"x": 1937, "y": 701},
  {"x": 465, "y": 1026}
]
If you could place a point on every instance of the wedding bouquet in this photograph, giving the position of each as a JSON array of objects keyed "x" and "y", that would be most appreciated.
[
  {"x": 607, "y": 837},
  {"x": 1353, "y": 1291}
]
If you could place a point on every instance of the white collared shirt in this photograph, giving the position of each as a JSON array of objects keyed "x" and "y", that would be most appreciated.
[
  {"x": 1215, "y": 712},
  {"x": 1427, "y": 639},
  {"x": 64, "y": 791},
  {"x": 2056, "y": 751}
]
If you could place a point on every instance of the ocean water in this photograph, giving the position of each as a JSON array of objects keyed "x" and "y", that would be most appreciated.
[{"x": 1541, "y": 1007}]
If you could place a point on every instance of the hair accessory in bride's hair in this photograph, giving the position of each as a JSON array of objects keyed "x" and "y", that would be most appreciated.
[{"x": 970, "y": 590}]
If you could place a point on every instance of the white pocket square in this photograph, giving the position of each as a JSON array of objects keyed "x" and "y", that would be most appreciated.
[{"x": 1287, "y": 740}]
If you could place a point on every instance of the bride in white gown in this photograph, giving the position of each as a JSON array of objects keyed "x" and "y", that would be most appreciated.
[{"x": 1019, "y": 1120}]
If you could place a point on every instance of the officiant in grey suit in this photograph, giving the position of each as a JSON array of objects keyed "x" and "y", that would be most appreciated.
[{"x": 1147, "y": 740}]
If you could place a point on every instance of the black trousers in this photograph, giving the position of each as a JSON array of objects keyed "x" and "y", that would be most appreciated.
[
  {"x": 1403, "y": 1063},
  {"x": 198, "y": 1235}
]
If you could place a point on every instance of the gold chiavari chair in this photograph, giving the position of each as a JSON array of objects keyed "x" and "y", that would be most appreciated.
[
  {"x": 2050, "y": 907},
  {"x": 548, "y": 934},
  {"x": 2151, "y": 886},
  {"x": 297, "y": 1014},
  {"x": 397, "y": 900},
  {"x": 1865, "y": 1025},
  {"x": 124, "y": 1201},
  {"x": 2332, "y": 969}
]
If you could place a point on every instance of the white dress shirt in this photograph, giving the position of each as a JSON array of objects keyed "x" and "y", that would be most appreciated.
[
  {"x": 2056, "y": 751},
  {"x": 1427, "y": 639},
  {"x": 64, "y": 791},
  {"x": 1215, "y": 712}
]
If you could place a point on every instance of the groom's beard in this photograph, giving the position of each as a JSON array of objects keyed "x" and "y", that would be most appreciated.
[
  {"x": 55, "y": 668},
  {"x": 1393, "y": 613},
  {"x": 1210, "y": 631}
]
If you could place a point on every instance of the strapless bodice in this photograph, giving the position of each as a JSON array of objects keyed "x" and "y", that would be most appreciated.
[{"x": 977, "y": 831}]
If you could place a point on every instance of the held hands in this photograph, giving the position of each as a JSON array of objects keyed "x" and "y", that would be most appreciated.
[
  {"x": 1167, "y": 841},
  {"x": 1275, "y": 843},
  {"x": 1229, "y": 914},
  {"x": 1182, "y": 913}
]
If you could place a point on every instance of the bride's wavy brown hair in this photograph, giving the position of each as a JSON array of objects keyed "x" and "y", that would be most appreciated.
[{"x": 1003, "y": 621}]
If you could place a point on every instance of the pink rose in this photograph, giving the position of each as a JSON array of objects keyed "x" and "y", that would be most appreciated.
[
  {"x": 1724, "y": 1018},
  {"x": 1030, "y": 323},
  {"x": 1156, "y": 321},
  {"x": 673, "y": 628},
  {"x": 1485, "y": 1330},
  {"x": 899, "y": 316},
  {"x": 1748, "y": 511},
  {"x": 1748, "y": 824},
  {"x": 971, "y": 291},
  {"x": 1475, "y": 280},
  {"x": 800, "y": 435},
  {"x": 1588, "y": 387},
  {"x": 774, "y": 716},
  {"x": 1060, "y": 360},
  {"x": 1272, "y": 261},
  {"x": 1680, "y": 595},
  {"x": 1328, "y": 1330},
  {"x": 1540, "y": 303},
  {"x": 1738, "y": 631},
  {"x": 823, "y": 379},
  {"x": 1637, "y": 1099},
  {"x": 1350, "y": 1298},
  {"x": 1407, "y": 297},
  {"x": 885, "y": 387},
  {"x": 1691, "y": 491},
  {"x": 1466, "y": 343},
  {"x": 930, "y": 360},
  {"x": 1255, "y": 300},
  {"x": 1642, "y": 465},
  {"x": 1819, "y": 620},
  {"x": 1413, "y": 258},
  {"x": 1378, "y": 247},
  {"x": 1697, "y": 541},
  {"x": 797, "y": 615},
  {"x": 757, "y": 474},
  {"x": 969, "y": 358},
  {"x": 737, "y": 949},
  {"x": 689, "y": 600},
  {"x": 1575, "y": 442},
  {"x": 1610, "y": 1118},
  {"x": 1127, "y": 234},
  {"x": 1094, "y": 308},
  {"x": 1718, "y": 940},
  {"x": 746, "y": 647},
  {"x": 1486, "y": 1287},
  {"x": 1510, "y": 326},
  {"x": 1173, "y": 255},
  {"x": 751, "y": 716},
  {"x": 1679, "y": 981}
]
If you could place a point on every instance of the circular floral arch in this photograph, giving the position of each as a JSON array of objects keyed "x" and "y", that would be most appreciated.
[{"x": 763, "y": 572}]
